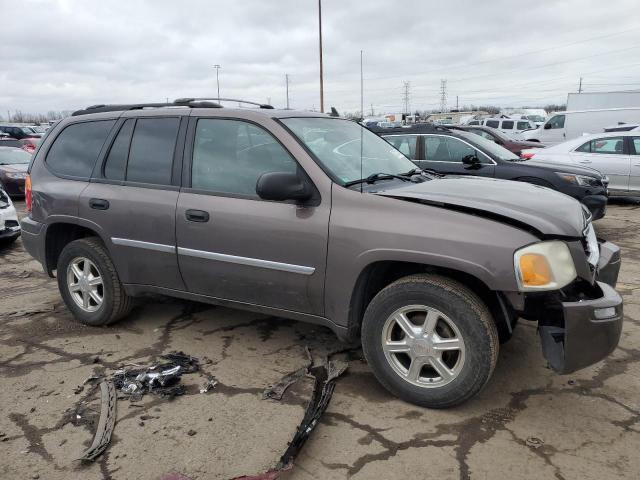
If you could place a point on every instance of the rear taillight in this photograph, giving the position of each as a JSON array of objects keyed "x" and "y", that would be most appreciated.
[
  {"x": 527, "y": 156},
  {"x": 28, "y": 197}
]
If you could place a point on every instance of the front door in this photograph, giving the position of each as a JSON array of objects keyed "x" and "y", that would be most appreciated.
[
  {"x": 444, "y": 154},
  {"x": 231, "y": 244},
  {"x": 133, "y": 201},
  {"x": 554, "y": 130},
  {"x": 609, "y": 156}
]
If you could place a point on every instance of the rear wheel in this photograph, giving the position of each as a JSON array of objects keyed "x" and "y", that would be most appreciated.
[
  {"x": 89, "y": 284},
  {"x": 430, "y": 340}
]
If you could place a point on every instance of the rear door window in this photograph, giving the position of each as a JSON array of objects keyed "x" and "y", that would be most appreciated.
[
  {"x": 492, "y": 123},
  {"x": 507, "y": 125},
  {"x": 635, "y": 141},
  {"x": 116, "y": 163},
  {"x": 75, "y": 151},
  {"x": 405, "y": 143},
  {"x": 151, "y": 151},
  {"x": 523, "y": 125},
  {"x": 446, "y": 149}
]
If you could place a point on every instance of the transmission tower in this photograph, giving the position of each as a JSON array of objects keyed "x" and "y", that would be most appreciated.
[
  {"x": 406, "y": 97},
  {"x": 443, "y": 96}
]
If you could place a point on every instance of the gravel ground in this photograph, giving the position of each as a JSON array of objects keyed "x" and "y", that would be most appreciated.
[{"x": 527, "y": 423}]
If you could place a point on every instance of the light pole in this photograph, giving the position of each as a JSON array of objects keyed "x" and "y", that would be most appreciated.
[
  {"x": 286, "y": 77},
  {"x": 217, "y": 67},
  {"x": 320, "y": 41}
]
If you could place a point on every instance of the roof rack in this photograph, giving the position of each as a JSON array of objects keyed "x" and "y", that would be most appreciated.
[
  {"x": 141, "y": 106},
  {"x": 192, "y": 102},
  {"x": 203, "y": 99}
]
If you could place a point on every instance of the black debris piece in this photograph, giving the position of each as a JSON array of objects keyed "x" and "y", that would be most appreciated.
[
  {"x": 106, "y": 423},
  {"x": 325, "y": 377},
  {"x": 275, "y": 392},
  {"x": 161, "y": 379}
]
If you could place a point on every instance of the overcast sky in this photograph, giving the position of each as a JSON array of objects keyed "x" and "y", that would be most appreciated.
[{"x": 66, "y": 54}]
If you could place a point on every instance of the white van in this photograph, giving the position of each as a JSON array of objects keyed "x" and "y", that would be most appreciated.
[
  {"x": 567, "y": 125},
  {"x": 511, "y": 126}
]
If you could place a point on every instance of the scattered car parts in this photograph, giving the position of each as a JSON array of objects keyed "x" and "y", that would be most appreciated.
[{"x": 106, "y": 423}]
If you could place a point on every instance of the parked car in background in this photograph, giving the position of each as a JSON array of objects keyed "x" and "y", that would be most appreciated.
[
  {"x": 7, "y": 140},
  {"x": 457, "y": 152},
  {"x": 317, "y": 219},
  {"x": 38, "y": 129},
  {"x": 510, "y": 126},
  {"x": 18, "y": 131},
  {"x": 30, "y": 144},
  {"x": 9, "y": 225},
  {"x": 505, "y": 141},
  {"x": 615, "y": 154},
  {"x": 13, "y": 169},
  {"x": 565, "y": 126}
]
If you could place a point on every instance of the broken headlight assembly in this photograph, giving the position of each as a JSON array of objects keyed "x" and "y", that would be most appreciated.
[
  {"x": 581, "y": 180},
  {"x": 544, "y": 266}
]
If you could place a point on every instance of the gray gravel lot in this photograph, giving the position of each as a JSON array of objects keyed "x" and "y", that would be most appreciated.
[{"x": 528, "y": 422}]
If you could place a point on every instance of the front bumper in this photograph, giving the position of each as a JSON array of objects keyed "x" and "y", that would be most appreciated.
[
  {"x": 9, "y": 226},
  {"x": 588, "y": 328}
]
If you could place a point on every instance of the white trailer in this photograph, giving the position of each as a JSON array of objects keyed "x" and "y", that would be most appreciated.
[
  {"x": 564, "y": 126},
  {"x": 602, "y": 100}
]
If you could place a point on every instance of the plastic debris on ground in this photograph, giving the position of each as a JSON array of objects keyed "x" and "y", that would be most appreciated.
[{"x": 325, "y": 377}]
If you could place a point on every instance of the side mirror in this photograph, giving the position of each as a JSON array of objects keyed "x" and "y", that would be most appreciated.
[
  {"x": 498, "y": 141},
  {"x": 281, "y": 186},
  {"x": 547, "y": 126},
  {"x": 471, "y": 161}
]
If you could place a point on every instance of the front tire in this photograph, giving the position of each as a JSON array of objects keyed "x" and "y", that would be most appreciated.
[
  {"x": 430, "y": 340},
  {"x": 89, "y": 283}
]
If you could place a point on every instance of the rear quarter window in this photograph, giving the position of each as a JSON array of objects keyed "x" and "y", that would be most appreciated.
[{"x": 75, "y": 152}]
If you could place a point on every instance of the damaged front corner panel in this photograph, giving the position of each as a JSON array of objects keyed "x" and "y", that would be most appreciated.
[{"x": 106, "y": 423}]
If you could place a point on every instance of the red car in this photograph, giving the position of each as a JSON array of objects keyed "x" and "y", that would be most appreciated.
[
  {"x": 30, "y": 144},
  {"x": 514, "y": 146}
]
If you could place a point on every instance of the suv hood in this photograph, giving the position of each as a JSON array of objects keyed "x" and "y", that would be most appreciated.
[
  {"x": 564, "y": 167},
  {"x": 546, "y": 211}
]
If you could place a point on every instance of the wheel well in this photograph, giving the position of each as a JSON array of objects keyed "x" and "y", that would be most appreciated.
[
  {"x": 532, "y": 140},
  {"x": 58, "y": 236},
  {"x": 378, "y": 275}
]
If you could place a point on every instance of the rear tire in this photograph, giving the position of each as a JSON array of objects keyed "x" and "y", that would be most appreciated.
[
  {"x": 454, "y": 316},
  {"x": 89, "y": 284}
]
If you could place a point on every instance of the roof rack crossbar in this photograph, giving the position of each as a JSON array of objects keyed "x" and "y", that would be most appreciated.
[{"x": 203, "y": 99}]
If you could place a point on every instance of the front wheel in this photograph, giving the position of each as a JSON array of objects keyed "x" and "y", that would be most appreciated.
[
  {"x": 430, "y": 340},
  {"x": 89, "y": 284}
]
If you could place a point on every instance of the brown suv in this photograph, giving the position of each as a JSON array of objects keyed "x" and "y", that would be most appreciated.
[{"x": 317, "y": 219}]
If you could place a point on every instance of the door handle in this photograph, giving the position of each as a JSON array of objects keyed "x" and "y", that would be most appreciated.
[
  {"x": 197, "y": 216},
  {"x": 584, "y": 161},
  {"x": 99, "y": 204}
]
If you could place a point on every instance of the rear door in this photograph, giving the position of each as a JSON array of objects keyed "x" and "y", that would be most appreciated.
[
  {"x": 444, "y": 154},
  {"x": 233, "y": 245},
  {"x": 133, "y": 199},
  {"x": 407, "y": 144},
  {"x": 609, "y": 156}
]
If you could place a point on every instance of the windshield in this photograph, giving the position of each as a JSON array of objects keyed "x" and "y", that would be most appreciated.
[
  {"x": 535, "y": 118},
  {"x": 340, "y": 145},
  {"x": 489, "y": 147},
  {"x": 12, "y": 156}
]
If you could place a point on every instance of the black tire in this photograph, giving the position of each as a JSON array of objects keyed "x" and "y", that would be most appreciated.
[
  {"x": 116, "y": 304},
  {"x": 469, "y": 314}
]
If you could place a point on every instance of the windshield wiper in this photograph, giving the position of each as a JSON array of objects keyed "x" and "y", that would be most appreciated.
[
  {"x": 419, "y": 171},
  {"x": 377, "y": 176}
]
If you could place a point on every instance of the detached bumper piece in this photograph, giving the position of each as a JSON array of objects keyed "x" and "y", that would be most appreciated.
[
  {"x": 592, "y": 326},
  {"x": 106, "y": 423}
]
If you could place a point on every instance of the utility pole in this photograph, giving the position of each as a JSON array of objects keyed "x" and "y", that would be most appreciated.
[
  {"x": 286, "y": 77},
  {"x": 580, "y": 86},
  {"x": 406, "y": 94},
  {"x": 320, "y": 43},
  {"x": 372, "y": 112},
  {"x": 217, "y": 67},
  {"x": 457, "y": 104},
  {"x": 443, "y": 96},
  {"x": 361, "y": 88}
]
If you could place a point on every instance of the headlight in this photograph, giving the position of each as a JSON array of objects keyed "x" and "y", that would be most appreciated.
[
  {"x": 582, "y": 180},
  {"x": 544, "y": 266},
  {"x": 16, "y": 176}
]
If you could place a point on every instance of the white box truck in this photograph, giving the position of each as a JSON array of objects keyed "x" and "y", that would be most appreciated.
[
  {"x": 601, "y": 100},
  {"x": 563, "y": 126}
]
